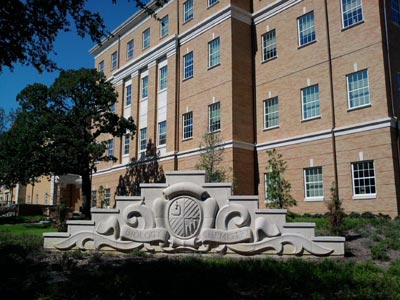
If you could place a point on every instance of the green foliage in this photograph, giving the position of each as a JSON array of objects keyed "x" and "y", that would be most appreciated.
[
  {"x": 335, "y": 212},
  {"x": 211, "y": 156},
  {"x": 58, "y": 128},
  {"x": 28, "y": 29},
  {"x": 278, "y": 187}
]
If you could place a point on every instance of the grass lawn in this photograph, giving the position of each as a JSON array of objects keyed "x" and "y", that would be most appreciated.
[{"x": 26, "y": 229}]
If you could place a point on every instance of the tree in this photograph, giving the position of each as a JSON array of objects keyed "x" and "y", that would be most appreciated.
[
  {"x": 211, "y": 156},
  {"x": 335, "y": 212},
  {"x": 59, "y": 128},
  {"x": 277, "y": 186},
  {"x": 28, "y": 28}
]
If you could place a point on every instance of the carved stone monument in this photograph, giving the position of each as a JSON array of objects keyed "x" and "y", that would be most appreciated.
[{"x": 186, "y": 214}]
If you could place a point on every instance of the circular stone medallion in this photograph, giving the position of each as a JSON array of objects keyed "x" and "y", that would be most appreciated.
[{"x": 184, "y": 217}]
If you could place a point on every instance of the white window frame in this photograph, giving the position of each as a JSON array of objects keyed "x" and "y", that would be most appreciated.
[
  {"x": 395, "y": 6},
  {"x": 114, "y": 60},
  {"x": 318, "y": 100},
  {"x": 94, "y": 199},
  {"x": 145, "y": 87},
  {"x": 187, "y": 119},
  {"x": 107, "y": 197},
  {"x": 164, "y": 26},
  {"x": 188, "y": 69},
  {"x": 128, "y": 95},
  {"x": 348, "y": 76},
  {"x": 162, "y": 134},
  {"x": 187, "y": 11},
  {"x": 101, "y": 66},
  {"x": 363, "y": 195},
  {"x": 127, "y": 138},
  {"x": 146, "y": 38},
  {"x": 299, "y": 31},
  {"x": 111, "y": 147},
  {"x": 307, "y": 184},
  {"x": 212, "y": 2},
  {"x": 142, "y": 139},
  {"x": 274, "y": 114},
  {"x": 130, "y": 46},
  {"x": 163, "y": 78},
  {"x": 214, "y": 121},
  {"x": 269, "y": 44},
  {"x": 214, "y": 54},
  {"x": 351, "y": 11}
]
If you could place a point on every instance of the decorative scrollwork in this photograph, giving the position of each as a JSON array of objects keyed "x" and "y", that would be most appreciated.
[{"x": 232, "y": 213}]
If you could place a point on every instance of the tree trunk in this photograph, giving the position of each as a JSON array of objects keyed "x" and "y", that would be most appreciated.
[{"x": 86, "y": 193}]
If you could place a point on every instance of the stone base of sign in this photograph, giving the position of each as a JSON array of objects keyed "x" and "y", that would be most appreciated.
[{"x": 186, "y": 214}]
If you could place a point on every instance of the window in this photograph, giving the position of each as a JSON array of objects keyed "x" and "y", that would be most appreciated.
[
  {"x": 128, "y": 95},
  {"x": 396, "y": 11},
  {"x": 269, "y": 45},
  {"x": 143, "y": 139},
  {"x": 126, "y": 143},
  {"x": 29, "y": 199},
  {"x": 306, "y": 29},
  {"x": 145, "y": 87},
  {"x": 114, "y": 60},
  {"x": 129, "y": 49},
  {"x": 146, "y": 38},
  {"x": 164, "y": 26},
  {"x": 163, "y": 77},
  {"x": 271, "y": 113},
  {"x": 351, "y": 12},
  {"x": 111, "y": 147},
  {"x": 267, "y": 181},
  {"x": 358, "y": 89},
  {"x": 187, "y": 11},
  {"x": 162, "y": 133},
  {"x": 310, "y": 102},
  {"x": 314, "y": 186},
  {"x": 214, "y": 117},
  {"x": 188, "y": 125},
  {"x": 364, "y": 179},
  {"x": 213, "y": 53},
  {"x": 107, "y": 197},
  {"x": 37, "y": 199},
  {"x": 94, "y": 199},
  {"x": 46, "y": 198},
  {"x": 212, "y": 2},
  {"x": 101, "y": 66},
  {"x": 188, "y": 65}
]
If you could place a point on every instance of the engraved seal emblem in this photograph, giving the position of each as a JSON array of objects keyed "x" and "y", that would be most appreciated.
[{"x": 184, "y": 217}]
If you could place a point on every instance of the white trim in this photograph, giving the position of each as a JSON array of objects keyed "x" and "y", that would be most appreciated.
[
  {"x": 367, "y": 126},
  {"x": 273, "y": 9}
]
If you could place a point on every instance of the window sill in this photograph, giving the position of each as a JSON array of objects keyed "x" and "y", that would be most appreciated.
[
  {"x": 163, "y": 36},
  {"x": 314, "y": 199},
  {"x": 359, "y": 107},
  {"x": 269, "y": 59},
  {"x": 215, "y": 131},
  {"x": 305, "y": 45},
  {"x": 144, "y": 99},
  {"x": 214, "y": 66},
  {"x": 185, "y": 79},
  {"x": 163, "y": 90},
  {"x": 364, "y": 197},
  {"x": 271, "y": 128},
  {"x": 187, "y": 21},
  {"x": 353, "y": 25},
  {"x": 162, "y": 146},
  {"x": 187, "y": 139},
  {"x": 212, "y": 5},
  {"x": 128, "y": 106},
  {"x": 310, "y": 119},
  {"x": 129, "y": 58}
]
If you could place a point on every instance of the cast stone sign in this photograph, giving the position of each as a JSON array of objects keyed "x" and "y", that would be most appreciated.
[{"x": 188, "y": 215}]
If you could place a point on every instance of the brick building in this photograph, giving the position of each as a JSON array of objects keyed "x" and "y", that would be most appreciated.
[{"x": 317, "y": 80}]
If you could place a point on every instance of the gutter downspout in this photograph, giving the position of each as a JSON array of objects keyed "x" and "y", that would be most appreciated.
[
  {"x": 177, "y": 89},
  {"x": 332, "y": 94}
]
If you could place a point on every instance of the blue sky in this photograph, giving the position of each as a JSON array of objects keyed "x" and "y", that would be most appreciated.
[{"x": 72, "y": 52}]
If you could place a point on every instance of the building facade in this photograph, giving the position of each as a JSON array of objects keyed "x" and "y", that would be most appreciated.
[{"x": 316, "y": 80}]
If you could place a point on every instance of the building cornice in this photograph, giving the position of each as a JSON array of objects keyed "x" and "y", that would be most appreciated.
[{"x": 273, "y": 9}]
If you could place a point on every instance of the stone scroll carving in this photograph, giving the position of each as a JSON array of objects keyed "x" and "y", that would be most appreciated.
[{"x": 185, "y": 216}]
